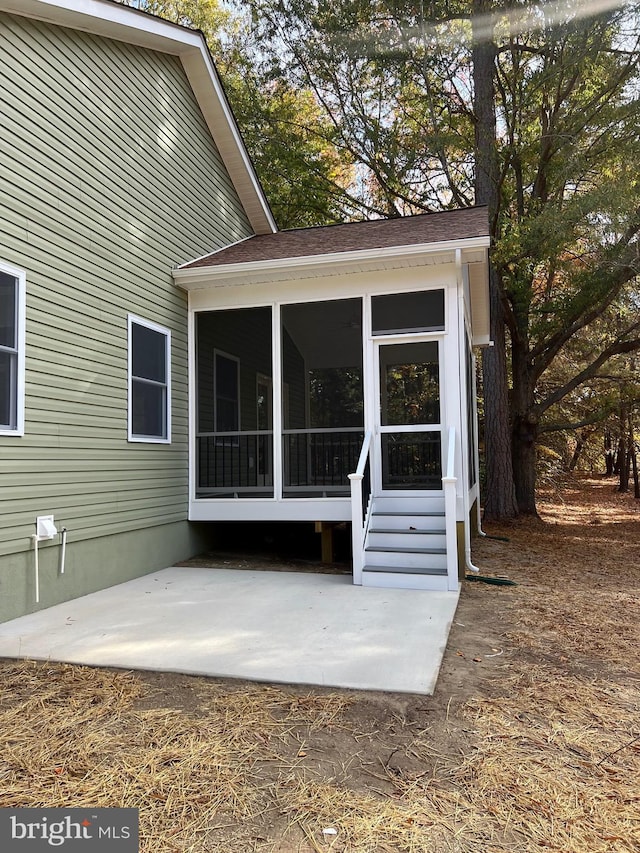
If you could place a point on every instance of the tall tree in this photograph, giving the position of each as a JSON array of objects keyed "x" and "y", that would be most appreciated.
[
  {"x": 584, "y": 421},
  {"x": 532, "y": 109},
  {"x": 209, "y": 16},
  {"x": 570, "y": 206},
  {"x": 500, "y": 499}
]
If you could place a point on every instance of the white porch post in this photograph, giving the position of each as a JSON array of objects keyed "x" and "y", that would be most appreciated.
[
  {"x": 356, "y": 527},
  {"x": 276, "y": 358},
  {"x": 192, "y": 402},
  {"x": 451, "y": 538}
]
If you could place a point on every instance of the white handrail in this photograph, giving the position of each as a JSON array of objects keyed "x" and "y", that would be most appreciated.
[
  {"x": 362, "y": 459},
  {"x": 358, "y": 529}
]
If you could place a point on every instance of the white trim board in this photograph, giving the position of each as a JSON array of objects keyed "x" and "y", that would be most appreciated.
[{"x": 21, "y": 314}]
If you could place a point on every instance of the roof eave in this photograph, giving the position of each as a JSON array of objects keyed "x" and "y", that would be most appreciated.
[{"x": 334, "y": 263}]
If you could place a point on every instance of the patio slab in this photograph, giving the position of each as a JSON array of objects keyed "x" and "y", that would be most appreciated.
[{"x": 288, "y": 627}]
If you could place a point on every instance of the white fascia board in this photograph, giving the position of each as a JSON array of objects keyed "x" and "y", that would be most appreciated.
[
  {"x": 217, "y": 113},
  {"x": 196, "y": 278},
  {"x": 124, "y": 23},
  {"x": 109, "y": 19}
]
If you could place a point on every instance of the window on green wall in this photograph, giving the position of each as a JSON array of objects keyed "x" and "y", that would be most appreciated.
[
  {"x": 149, "y": 381},
  {"x": 12, "y": 321}
]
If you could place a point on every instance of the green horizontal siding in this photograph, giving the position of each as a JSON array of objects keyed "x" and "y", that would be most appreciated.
[{"x": 108, "y": 179}]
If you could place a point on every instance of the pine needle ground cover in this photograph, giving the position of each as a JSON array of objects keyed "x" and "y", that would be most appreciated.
[{"x": 531, "y": 742}]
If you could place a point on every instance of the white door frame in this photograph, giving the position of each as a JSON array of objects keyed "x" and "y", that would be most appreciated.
[{"x": 376, "y": 344}]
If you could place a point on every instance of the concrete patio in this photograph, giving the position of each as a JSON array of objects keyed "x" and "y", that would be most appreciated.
[{"x": 288, "y": 627}]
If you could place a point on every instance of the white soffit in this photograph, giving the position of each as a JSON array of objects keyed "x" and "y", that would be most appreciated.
[
  {"x": 474, "y": 251},
  {"x": 109, "y": 19}
]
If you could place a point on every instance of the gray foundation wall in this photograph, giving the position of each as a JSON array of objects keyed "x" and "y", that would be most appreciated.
[{"x": 93, "y": 564}]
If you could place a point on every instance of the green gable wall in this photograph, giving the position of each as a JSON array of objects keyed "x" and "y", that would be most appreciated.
[{"x": 108, "y": 179}]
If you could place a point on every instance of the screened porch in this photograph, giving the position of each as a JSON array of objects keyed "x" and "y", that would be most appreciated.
[
  {"x": 282, "y": 396},
  {"x": 319, "y": 397}
]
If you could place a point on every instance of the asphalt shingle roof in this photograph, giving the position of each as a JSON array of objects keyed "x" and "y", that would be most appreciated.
[{"x": 423, "y": 228}]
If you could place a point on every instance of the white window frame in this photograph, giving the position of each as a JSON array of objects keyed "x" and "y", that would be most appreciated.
[
  {"x": 19, "y": 350},
  {"x": 133, "y": 437}
]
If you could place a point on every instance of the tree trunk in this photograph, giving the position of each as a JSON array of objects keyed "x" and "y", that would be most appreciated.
[
  {"x": 500, "y": 494},
  {"x": 525, "y": 439},
  {"x": 625, "y": 471},
  {"x": 500, "y": 500},
  {"x": 577, "y": 452},
  {"x": 582, "y": 436},
  {"x": 525, "y": 429},
  {"x": 624, "y": 457},
  {"x": 618, "y": 459},
  {"x": 625, "y": 468},
  {"x": 608, "y": 454}
]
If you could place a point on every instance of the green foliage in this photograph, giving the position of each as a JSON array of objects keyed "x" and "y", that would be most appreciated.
[
  {"x": 336, "y": 397},
  {"x": 291, "y": 145},
  {"x": 412, "y": 393},
  {"x": 209, "y": 16}
]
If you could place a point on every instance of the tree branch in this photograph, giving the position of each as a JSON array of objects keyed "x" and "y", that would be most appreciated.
[
  {"x": 627, "y": 268},
  {"x": 617, "y": 348}
]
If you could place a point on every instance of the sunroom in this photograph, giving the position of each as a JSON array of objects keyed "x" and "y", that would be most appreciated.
[{"x": 331, "y": 379}]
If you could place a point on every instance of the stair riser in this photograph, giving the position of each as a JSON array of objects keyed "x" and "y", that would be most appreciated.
[
  {"x": 408, "y": 505},
  {"x": 404, "y": 522},
  {"x": 414, "y": 561},
  {"x": 402, "y": 539},
  {"x": 393, "y": 581}
]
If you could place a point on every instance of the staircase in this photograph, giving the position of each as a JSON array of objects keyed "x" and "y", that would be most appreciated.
[{"x": 405, "y": 545}]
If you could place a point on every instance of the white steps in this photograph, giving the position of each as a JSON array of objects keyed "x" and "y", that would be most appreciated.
[
  {"x": 392, "y": 580},
  {"x": 419, "y": 505},
  {"x": 406, "y": 544}
]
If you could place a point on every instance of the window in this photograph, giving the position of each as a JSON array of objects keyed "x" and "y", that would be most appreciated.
[
  {"x": 149, "y": 382},
  {"x": 12, "y": 332},
  {"x": 227, "y": 396},
  {"x": 396, "y": 313}
]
